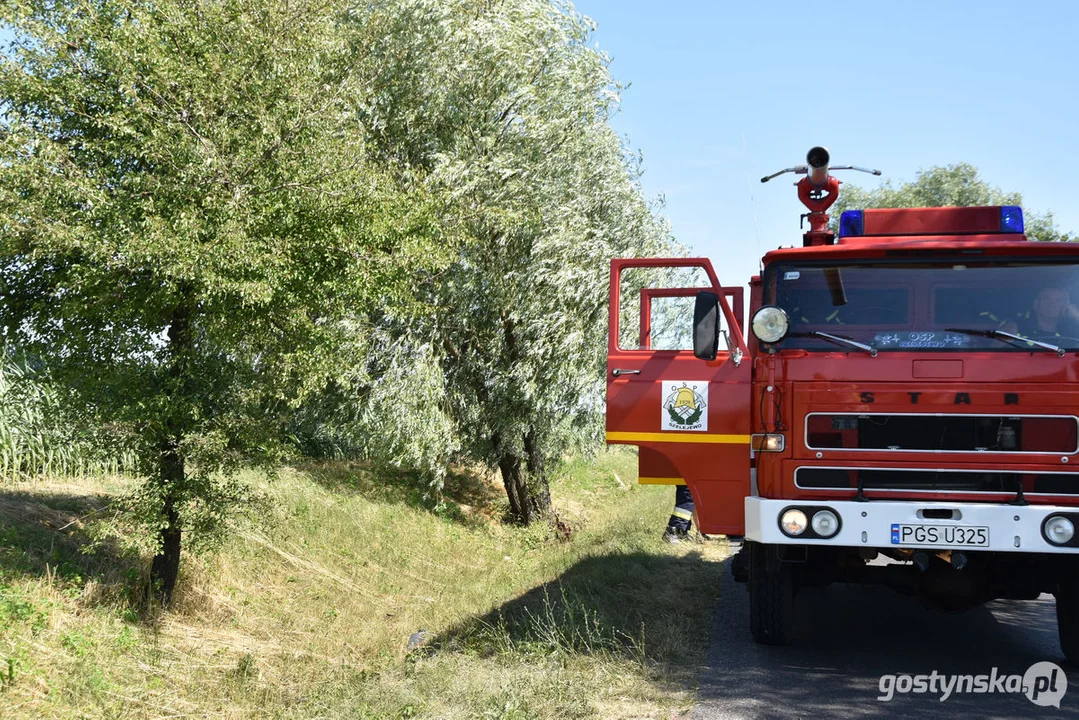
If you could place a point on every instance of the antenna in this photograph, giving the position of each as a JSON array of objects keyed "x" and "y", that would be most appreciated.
[{"x": 753, "y": 205}]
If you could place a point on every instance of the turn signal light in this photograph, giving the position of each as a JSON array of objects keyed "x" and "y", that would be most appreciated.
[{"x": 772, "y": 442}]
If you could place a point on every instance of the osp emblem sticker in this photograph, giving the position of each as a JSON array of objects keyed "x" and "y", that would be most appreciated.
[{"x": 684, "y": 405}]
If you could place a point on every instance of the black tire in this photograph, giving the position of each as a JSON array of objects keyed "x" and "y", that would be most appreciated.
[
  {"x": 740, "y": 566},
  {"x": 771, "y": 596},
  {"x": 1067, "y": 596}
]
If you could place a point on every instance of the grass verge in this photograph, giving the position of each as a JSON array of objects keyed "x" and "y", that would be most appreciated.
[{"x": 312, "y": 613}]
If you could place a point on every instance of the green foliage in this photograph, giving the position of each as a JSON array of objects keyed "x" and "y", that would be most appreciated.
[
  {"x": 951, "y": 185},
  {"x": 393, "y": 412},
  {"x": 189, "y": 217},
  {"x": 409, "y": 401},
  {"x": 17, "y": 608},
  {"x": 502, "y": 110}
]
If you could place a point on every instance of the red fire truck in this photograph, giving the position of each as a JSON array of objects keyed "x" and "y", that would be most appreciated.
[{"x": 902, "y": 409}]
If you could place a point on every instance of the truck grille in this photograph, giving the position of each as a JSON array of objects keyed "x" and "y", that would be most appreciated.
[
  {"x": 838, "y": 478},
  {"x": 951, "y": 433}
]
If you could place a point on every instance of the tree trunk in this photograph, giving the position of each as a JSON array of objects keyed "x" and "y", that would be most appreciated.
[
  {"x": 537, "y": 471},
  {"x": 166, "y": 565},
  {"x": 526, "y": 483},
  {"x": 516, "y": 487}
]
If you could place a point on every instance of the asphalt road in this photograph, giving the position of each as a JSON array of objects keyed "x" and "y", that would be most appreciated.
[{"x": 850, "y": 636}]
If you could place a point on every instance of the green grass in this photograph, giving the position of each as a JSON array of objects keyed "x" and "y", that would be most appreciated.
[{"x": 308, "y": 615}]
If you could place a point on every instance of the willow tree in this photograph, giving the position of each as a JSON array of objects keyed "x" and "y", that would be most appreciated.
[
  {"x": 188, "y": 219},
  {"x": 503, "y": 109}
]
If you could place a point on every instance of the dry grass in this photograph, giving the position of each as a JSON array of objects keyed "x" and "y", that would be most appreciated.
[{"x": 309, "y": 614}]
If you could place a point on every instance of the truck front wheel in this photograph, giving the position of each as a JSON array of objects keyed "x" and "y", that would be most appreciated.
[
  {"x": 1067, "y": 595},
  {"x": 771, "y": 596}
]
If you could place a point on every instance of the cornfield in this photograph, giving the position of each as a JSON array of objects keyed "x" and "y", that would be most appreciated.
[{"x": 38, "y": 438}]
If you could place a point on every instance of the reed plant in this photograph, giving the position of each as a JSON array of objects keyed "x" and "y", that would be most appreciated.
[{"x": 41, "y": 435}]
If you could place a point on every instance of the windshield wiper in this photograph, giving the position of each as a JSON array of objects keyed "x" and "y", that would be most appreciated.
[
  {"x": 840, "y": 340},
  {"x": 1006, "y": 336}
]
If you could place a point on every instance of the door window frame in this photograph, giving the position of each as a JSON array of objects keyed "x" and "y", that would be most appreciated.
[{"x": 733, "y": 317}]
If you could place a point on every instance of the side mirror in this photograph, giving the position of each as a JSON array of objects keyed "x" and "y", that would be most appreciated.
[{"x": 706, "y": 325}]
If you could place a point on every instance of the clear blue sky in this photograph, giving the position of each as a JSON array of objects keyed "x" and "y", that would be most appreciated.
[{"x": 722, "y": 93}]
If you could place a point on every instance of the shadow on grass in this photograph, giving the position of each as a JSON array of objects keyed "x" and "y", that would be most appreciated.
[
  {"x": 44, "y": 534},
  {"x": 647, "y": 608},
  {"x": 466, "y": 495}
]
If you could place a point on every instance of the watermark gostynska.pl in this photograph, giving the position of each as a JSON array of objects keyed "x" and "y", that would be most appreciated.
[{"x": 1044, "y": 684}]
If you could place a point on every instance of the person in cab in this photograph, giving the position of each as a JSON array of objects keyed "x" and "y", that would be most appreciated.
[{"x": 1051, "y": 315}]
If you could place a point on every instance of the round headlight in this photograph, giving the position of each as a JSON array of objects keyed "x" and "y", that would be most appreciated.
[
  {"x": 793, "y": 522},
  {"x": 825, "y": 523},
  {"x": 771, "y": 324},
  {"x": 1059, "y": 530}
]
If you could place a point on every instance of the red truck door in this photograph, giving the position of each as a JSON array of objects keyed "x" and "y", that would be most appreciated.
[{"x": 690, "y": 418}]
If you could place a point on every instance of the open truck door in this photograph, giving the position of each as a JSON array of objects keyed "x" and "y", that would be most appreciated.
[{"x": 689, "y": 417}]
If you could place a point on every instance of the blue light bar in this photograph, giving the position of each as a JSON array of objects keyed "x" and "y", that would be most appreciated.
[
  {"x": 1011, "y": 219},
  {"x": 852, "y": 223}
]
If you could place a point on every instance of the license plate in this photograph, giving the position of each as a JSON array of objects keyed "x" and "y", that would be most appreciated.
[{"x": 953, "y": 535}]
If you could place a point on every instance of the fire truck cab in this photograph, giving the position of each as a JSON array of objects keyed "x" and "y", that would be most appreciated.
[{"x": 902, "y": 408}]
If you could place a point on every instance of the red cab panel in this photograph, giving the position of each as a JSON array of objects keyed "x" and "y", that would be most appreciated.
[{"x": 689, "y": 417}]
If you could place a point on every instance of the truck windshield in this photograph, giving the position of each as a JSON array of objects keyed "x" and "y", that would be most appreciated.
[{"x": 939, "y": 306}]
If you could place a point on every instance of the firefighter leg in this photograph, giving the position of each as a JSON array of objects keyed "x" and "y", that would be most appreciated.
[{"x": 681, "y": 517}]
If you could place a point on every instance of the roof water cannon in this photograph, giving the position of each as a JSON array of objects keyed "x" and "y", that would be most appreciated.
[
  {"x": 817, "y": 159},
  {"x": 818, "y": 191}
]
